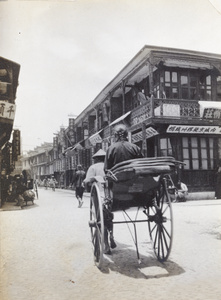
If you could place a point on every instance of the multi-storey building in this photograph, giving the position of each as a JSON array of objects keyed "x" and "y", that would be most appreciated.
[
  {"x": 39, "y": 161},
  {"x": 170, "y": 99},
  {"x": 9, "y": 73}
]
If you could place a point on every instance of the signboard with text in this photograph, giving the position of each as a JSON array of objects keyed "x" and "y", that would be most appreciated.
[
  {"x": 194, "y": 129},
  {"x": 150, "y": 132},
  {"x": 95, "y": 139},
  {"x": 7, "y": 110}
]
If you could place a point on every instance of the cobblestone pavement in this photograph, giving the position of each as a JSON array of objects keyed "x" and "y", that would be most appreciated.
[{"x": 46, "y": 254}]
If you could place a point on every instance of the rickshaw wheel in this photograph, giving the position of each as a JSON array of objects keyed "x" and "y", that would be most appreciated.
[
  {"x": 160, "y": 223},
  {"x": 96, "y": 224}
]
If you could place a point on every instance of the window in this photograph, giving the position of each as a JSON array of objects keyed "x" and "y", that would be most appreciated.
[
  {"x": 187, "y": 85},
  {"x": 184, "y": 86},
  {"x": 205, "y": 87},
  {"x": 198, "y": 153},
  {"x": 218, "y": 88},
  {"x": 165, "y": 147}
]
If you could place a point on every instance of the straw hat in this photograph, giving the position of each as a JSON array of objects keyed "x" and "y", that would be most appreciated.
[{"x": 99, "y": 153}]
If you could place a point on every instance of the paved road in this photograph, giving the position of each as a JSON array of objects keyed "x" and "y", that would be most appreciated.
[{"x": 46, "y": 254}]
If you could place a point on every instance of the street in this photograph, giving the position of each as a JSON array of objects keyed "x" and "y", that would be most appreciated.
[{"x": 46, "y": 254}]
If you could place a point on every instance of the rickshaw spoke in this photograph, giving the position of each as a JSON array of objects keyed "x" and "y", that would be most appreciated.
[
  {"x": 159, "y": 239},
  {"x": 155, "y": 225},
  {"x": 165, "y": 240},
  {"x": 162, "y": 245},
  {"x": 166, "y": 208},
  {"x": 156, "y": 236},
  {"x": 166, "y": 231}
]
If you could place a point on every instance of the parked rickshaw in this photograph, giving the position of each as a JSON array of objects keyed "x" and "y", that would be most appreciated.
[
  {"x": 143, "y": 183},
  {"x": 31, "y": 192}
]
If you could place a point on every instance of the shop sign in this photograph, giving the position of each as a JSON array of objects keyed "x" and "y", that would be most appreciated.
[
  {"x": 212, "y": 113},
  {"x": 136, "y": 137},
  {"x": 140, "y": 119},
  {"x": 95, "y": 138},
  {"x": 194, "y": 129},
  {"x": 150, "y": 132},
  {"x": 7, "y": 110}
]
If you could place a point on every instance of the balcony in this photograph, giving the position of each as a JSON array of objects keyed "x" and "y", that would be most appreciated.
[{"x": 179, "y": 111}]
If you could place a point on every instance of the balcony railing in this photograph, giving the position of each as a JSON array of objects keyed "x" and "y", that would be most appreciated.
[
  {"x": 163, "y": 108},
  {"x": 170, "y": 109}
]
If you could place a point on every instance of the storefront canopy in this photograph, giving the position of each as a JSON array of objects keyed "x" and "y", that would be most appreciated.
[
  {"x": 118, "y": 120},
  {"x": 69, "y": 151}
]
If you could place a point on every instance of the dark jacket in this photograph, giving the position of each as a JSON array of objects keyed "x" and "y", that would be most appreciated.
[
  {"x": 80, "y": 175},
  {"x": 121, "y": 151}
]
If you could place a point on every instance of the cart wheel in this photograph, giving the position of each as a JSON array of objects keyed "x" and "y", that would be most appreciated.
[
  {"x": 97, "y": 224},
  {"x": 160, "y": 223}
]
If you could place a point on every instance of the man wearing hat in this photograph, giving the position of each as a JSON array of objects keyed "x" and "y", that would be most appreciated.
[{"x": 97, "y": 169}]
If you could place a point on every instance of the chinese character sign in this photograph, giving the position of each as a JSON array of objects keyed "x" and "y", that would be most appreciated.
[
  {"x": 194, "y": 129},
  {"x": 7, "y": 110}
]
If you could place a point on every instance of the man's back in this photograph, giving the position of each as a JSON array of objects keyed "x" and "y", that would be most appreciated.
[
  {"x": 121, "y": 151},
  {"x": 80, "y": 175}
]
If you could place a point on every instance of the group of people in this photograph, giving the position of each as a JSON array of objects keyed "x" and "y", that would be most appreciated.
[
  {"x": 120, "y": 151},
  {"x": 15, "y": 188},
  {"x": 50, "y": 182}
]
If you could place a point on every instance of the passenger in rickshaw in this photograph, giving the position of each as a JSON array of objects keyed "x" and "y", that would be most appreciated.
[{"x": 120, "y": 151}]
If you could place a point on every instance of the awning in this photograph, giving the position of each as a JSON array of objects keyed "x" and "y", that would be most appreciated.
[
  {"x": 187, "y": 64},
  {"x": 150, "y": 132},
  {"x": 77, "y": 146},
  {"x": 95, "y": 138},
  {"x": 120, "y": 118},
  {"x": 69, "y": 150}
]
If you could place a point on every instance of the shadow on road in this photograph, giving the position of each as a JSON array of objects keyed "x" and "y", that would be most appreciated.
[
  {"x": 124, "y": 260},
  {"x": 10, "y": 206}
]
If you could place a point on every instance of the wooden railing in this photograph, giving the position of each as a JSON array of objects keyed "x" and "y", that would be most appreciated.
[{"x": 160, "y": 108}]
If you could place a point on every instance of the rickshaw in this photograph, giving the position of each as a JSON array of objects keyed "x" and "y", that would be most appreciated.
[
  {"x": 31, "y": 192},
  {"x": 143, "y": 183}
]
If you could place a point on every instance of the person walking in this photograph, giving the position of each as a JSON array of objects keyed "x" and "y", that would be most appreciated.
[
  {"x": 78, "y": 182},
  {"x": 52, "y": 183}
]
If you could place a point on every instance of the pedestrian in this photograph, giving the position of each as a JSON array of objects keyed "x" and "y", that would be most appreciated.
[
  {"x": 181, "y": 192},
  {"x": 45, "y": 182},
  {"x": 78, "y": 182},
  {"x": 118, "y": 152},
  {"x": 218, "y": 182},
  {"x": 52, "y": 183}
]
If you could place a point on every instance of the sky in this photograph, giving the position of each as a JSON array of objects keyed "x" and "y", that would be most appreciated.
[{"x": 70, "y": 50}]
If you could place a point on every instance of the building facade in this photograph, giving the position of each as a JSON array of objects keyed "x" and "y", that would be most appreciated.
[
  {"x": 9, "y": 151},
  {"x": 170, "y": 99}
]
